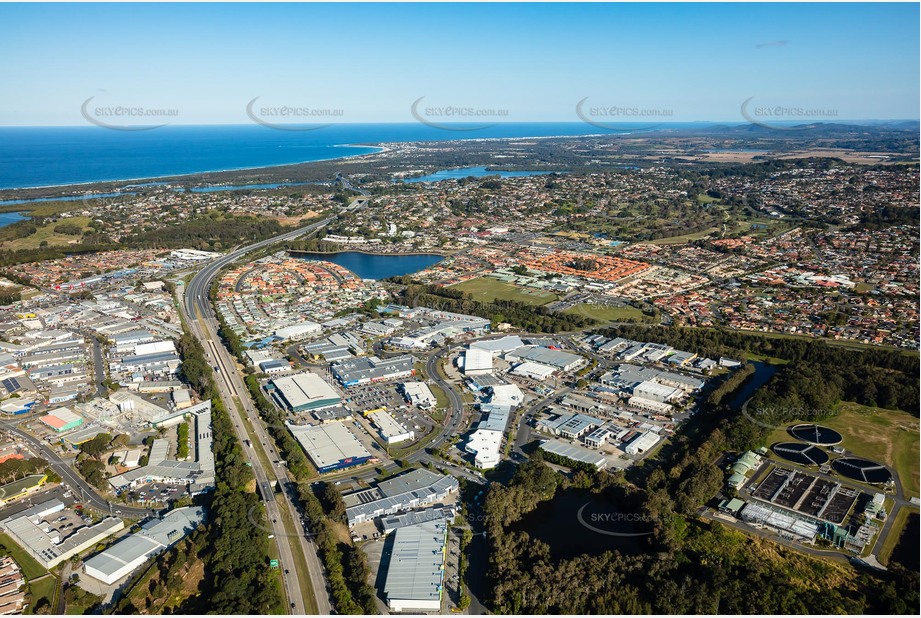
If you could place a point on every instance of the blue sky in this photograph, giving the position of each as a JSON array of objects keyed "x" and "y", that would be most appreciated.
[{"x": 535, "y": 60}]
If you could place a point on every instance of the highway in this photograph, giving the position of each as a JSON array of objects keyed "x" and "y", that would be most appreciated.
[{"x": 196, "y": 307}]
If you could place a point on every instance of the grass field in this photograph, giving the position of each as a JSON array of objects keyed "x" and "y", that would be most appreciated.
[
  {"x": 901, "y": 518},
  {"x": 887, "y": 436},
  {"x": 47, "y": 233},
  {"x": 31, "y": 569},
  {"x": 44, "y": 588},
  {"x": 487, "y": 289},
  {"x": 684, "y": 238},
  {"x": 606, "y": 313}
]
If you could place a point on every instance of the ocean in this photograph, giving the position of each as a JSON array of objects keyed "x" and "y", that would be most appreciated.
[{"x": 52, "y": 156}]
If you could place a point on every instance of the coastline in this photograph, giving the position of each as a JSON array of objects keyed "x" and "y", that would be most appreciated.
[{"x": 104, "y": 184}]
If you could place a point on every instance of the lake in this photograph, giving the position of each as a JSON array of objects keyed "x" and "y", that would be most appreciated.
[
  {"x": 476, "y": 172},
  {"x": 577, "y": 521},
  {"x": 369, "y": 266},
  {"x": 763, "y": 373},
  {"x": 9, "y": 218}
]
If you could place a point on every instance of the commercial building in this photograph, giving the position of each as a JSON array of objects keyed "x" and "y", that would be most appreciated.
[
  {"x": 330, "y": 446},
  {"x": 409, "y": 490},
  {"x": 373, "y": 369},
  {"x": 418, "y": 394},
  {"x": 62, "y": 419},
  {"x": 414, "y": 580},
  {"x": 390, "y": 430},
  {"x": 304, "y": 391},
  {"x": 49, "y": 543},
  {"x": 134, "y": 550}
]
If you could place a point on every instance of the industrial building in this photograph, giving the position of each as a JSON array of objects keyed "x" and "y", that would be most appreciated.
[
  {"x": 641, "y": 443},
  {"x": 389, "y": 429},
  {"x": 576, "y": 453},
  {"x": 330, "y": 446},
  {"x": 497, "y": 347},
  {"x": 572, "y": 426},
  {"x": 49, "y": 544},
  {"x": 414, "y": 580},
  {"x": 298, "y": 331},
  {"x": 198, "y": 474},
  {"x": 134, "y": 550},
  {"x": 395, "y": 522},
  {"x": 373, "y": 369},
  {"x": 533, "y": 371},
  {"x": 409, "y": 490},
  {"x": 559, "y": 360},
  {"x": 476, "y": 361},
  {"x": 656, "y": 392},
  {"x": 62, "y": 419},
  {"x": 304, "y": 391}
]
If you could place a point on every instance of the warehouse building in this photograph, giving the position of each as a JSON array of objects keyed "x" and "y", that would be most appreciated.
[
  {"x": 304, "y": 391},
  {"x": 330, "y": 446},
  {"x": 641, "y": 443},
  {"x": 409, "y": 490},
  {"x": 576, "y": 453},
  {"x": 572, "y": 426},
  {"x": 373, "y": 369},
  {"x": 476, "y": 361},
  {"x": 497, "y": 347},
  {"x": 657, "y": 392},
  {"x": 62, "y": 419},
  {"x": 395, "y": 522},
  {"x": 298, "y": 331},
  {"x": 559, "y": 360},
  {"x": 533, "y": 371},
  {"x": 414, "y": 577},
  {"x": 134, "y": 550}
]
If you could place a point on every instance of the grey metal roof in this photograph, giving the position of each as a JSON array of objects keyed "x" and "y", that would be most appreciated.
[{"x": 417, "y": 563}]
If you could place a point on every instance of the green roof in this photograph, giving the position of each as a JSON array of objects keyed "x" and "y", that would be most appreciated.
[{"x": 17, "y": 488}]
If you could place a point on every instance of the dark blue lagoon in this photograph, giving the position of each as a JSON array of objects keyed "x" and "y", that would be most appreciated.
[
  {"x": 476, "y": 172},
  {"x": 9, "y": 218},
  {"x": 370, "y": 266}
]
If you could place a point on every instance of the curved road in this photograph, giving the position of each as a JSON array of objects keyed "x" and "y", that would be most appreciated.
[{"x": 88, "y": 494}]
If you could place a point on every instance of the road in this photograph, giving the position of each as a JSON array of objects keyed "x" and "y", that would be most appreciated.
[
  {"x": 86, "y": 492},
  {"x": 196, "y": 306}
]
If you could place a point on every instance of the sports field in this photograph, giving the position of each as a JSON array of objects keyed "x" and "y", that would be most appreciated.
[
  {"x": 487, "y": 289},
  {"x": 607, "y": 313}
]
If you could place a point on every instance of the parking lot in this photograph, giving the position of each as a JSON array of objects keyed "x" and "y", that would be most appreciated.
[
  {"x": 370, "y": 396},
  {"x": 157, "y": 492}
]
